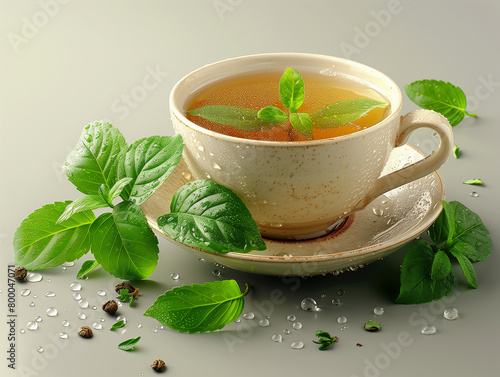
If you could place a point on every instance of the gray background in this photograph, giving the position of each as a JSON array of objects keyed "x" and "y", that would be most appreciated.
[{"x": 67, "y": 63}]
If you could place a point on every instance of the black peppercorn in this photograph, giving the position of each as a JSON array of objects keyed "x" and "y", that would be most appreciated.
[
  {"x": 127, "y": 286},
  {"x": 110, "y": 306},
  {"x": 159, "y": 365},
  {"x": 85, "y": 332},
  {"x": 20, "y": 273}
]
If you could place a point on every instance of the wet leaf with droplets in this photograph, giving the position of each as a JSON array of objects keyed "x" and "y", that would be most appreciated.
[{"x": 87, "y": 267}]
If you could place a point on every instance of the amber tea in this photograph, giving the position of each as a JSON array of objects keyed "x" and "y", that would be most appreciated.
[{"x": 332, "y": 107}]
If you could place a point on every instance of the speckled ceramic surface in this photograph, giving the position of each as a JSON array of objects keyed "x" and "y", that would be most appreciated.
[
  {"x": 370, "y": 234},
  {"x": 296, "y": 190}
]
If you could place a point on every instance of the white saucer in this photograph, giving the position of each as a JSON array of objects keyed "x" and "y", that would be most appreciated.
[{"x": 390, "y": 221}]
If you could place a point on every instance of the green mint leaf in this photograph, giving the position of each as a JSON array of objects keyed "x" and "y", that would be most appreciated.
[
  {"x": 440, "y": 96},
  {"x": 86, "y": 203},
  {"x": 302, "y": 123},
  {"x": 117, "y": 188},
  {"x": 103, "y": 192},
  {"x": 149, "y": 162},
  {"x": 199, "y": 307},
  {"x": 321, "y": 333},
  {"x": 93, "y": 160},
  {"x": 291, "y": 89},
  {"x": 241, "y": 118},
  {"x": 123, "y": 243},
  {"x": 344, "y": 112},
  {"x": 40, "y": 243},
  {"x": 372, "y": 326},
  {"x": 325, "y": 346},
  {"x": 441, "y": 266},
  {"x": 443, "y": 228},
  {"x": 456, "y": 151},
  {"x": 467, "y": 267},
  {"x": 417, "y": 286},
  {"x": 272, "y": 114},
  {"x": 207, "y": 215},
  {"x": 474, "y": 182},
  {"x": 117, "y": 325},
  {"x": 87, "y": 267},
  {"x": 129, "y": 345}
]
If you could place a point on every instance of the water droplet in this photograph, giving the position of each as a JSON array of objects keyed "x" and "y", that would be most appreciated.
[
  {"x": 22, "y": 331},
  {"x": 474, "y": 194},
  {"x": 297, "y": 325},
  {"x": 286, "y": 331},
  {"x": 83, "y": 304},
  {"x": 121, "y": 318},
  {"x": 200, "y": 148},
  {"x": 50, "y": 294},
  {"x": 341, "y": 319},
  {"x": 102, "y": 319},
  {"x": 63, "y": 335},
  {"x": 297, "y": 345},
  {"x": 77, "y": 296},
  {"x": 35, "y": 296},
  {"x": 336, "y": 302},
  {"x": 291, "y": 318},
  {"x": 344, "y": 328},
  {"x": 97, "y": 326},
  {"x": 249, "y": 315},
  {"x": 378, "y": 310},
  {"x": 34, "y": 277},
  {"x": 155, "y": 330},
  {"x": 237, "y": 320},
  {"x": 428, "y": 330},
  {"x": 101, "y": 293},
  {"x": 277, "y": 338},
  {"x": 216, "y": 166},
  {"x": 450, "y": 313},
  {"x": 323, "y": 295},
  {"x": 38, "y": 319},
  {"x": 94, "y": 307},
  {"x": 75, "y": 287},
  {"x": 377, "y": 211},
  {"x": 187, "y": 175},
  {"x": 309, "y": 305},
  {"x": 32, "y": 326},
  {"x": 139, "y": 325},
  {"x": 264, "y": 322},
  {"x": 216, "y": 273},
  {"x": 51, "y": 312},
  {"x": 174, "y": 276},
  {"x": 82, "y": 315},
  {"x": 25, "y": 292},
  {"x": 65, "y": 323},
  {"x": 39, "y": 349},
  {"x": 340, "y": 292},
  {"x": 68, "y": 264},
  {"x": 32, "y": 304},
  {"x": 64, "y": 268}
]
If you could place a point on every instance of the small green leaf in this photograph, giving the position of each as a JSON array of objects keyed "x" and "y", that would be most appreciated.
[
  {"x": 117, "y": 188},
  {"x": 241, "y": 118},
  {"x": 440, "y": 96},
  {"x": 372, "y": 326},
  {"x": 87, "y": 267},
  {"x": 441, "y": 266},
  {"x": 272, "y": 114},
  {"x": 86, "y": 203},
  {"x": 474, "y": 182},
  {"x": 149, "y": 162},
  {"x": 207, "y": 215},
  {"x": 456, "y": 151},
  {"x": 417, "y": 286},
  {"x": 302, "y": 123},
  {"x": 123, "y": 243},
  {"x": 443, "y": 228},
  {"x": 344, "y": 112},
  {"x": 129, "y": 345},
  {"x": 467, "y": 267},
  {"x": 325, "y": 346},
  {"x": 93, "y": 160},
  {"x": 199, "y": 307},
  {"x": 291, "y": 89},
  {"x": 117, "y": 325},
  {"x": 321, "y": 333},
  {"x": 40, "y": 243}
]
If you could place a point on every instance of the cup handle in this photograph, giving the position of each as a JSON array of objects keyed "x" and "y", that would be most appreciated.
[{"x": 409, "y": 123}]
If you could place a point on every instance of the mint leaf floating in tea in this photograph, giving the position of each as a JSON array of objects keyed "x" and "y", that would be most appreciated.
[
  {"x": 199, "y": 307},
  {"x": 148, "y": 163},
  {"x": 40, "y": 243},
  {"x": 129, "y": 344},
  {"x": 456, "y": 151},
  {"x": 272, "y": 114},
  {"x": 474, "y": 182},
  {"x": 123, "y": 243},
  {"x": 291, "y": 90},
  {"x": 207, "y": 215},
  {"x": 240, "y": 118},
  {"x": 440, "y": 96},
  {"x": 87, "y": 267},
  {"x": 301, "y": 122}
]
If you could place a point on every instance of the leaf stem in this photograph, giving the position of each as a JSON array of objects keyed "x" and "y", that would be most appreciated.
[
  {"x": 471, "y": 115},
  {"x": 247, "y": 289}
]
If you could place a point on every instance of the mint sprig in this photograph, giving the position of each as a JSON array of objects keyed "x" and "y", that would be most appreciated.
[
  {"x": 325, "y": 340},
  {"x": 292, "y": 94},
  {"x": 427, "y": 273}
]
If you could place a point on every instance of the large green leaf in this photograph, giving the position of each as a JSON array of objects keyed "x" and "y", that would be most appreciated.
[
  {"x": 93, "y": 161},
  {"x": 241, "y": 118},
  {"x": 199, "y": 307},
  {"x": 344, "y": 112},
  {"x": 40, "y": 243},
  {"x": 207, "y": 215},
  {"x": 123, "y": 243},
  {"x": 291, "y": 89},
  {"x": 148, "y": 162}
]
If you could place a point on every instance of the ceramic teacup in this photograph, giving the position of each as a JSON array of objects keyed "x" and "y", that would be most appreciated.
[{"x": 301, "y": 189}]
